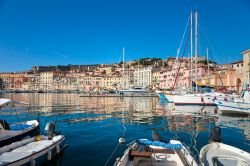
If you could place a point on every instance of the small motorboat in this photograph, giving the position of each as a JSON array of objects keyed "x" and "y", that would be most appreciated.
[
  {"x": 15, "y": 132},
  {"x": 238, "y": 106},
  {"x": 156, "y": 152},
  {"x": 18, "y": 131},
  {"x": 33, "y": 151},
  {"x": 216, "y": 153}
]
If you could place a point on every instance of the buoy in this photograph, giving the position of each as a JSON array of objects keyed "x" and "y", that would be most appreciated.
[
  {"x": 202, "y": 99},
  {"x": 122, "y": 140},
  {"x": 38, "y": 138}
]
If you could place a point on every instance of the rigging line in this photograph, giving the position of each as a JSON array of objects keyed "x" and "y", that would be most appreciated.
[
  {"x": 112, "y": 154},
  {"x": 177, "y": 72},
  {"x": 210, "y": 44},
  {"x": 123, "y": 134},
  {"x": 179, "y": 48}
]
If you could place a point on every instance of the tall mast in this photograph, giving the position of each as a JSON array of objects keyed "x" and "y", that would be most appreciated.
[
  {"x": 138, "y": 74},
  {"x": 196, "y": 49},
  {"x": 208, "y": 74},
  {"x": 123, "y": 54},
  {"x": 191, "y": 49},
  {"x": 129, "y": 74}
]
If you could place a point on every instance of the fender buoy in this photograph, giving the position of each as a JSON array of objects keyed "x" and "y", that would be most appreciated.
[{"x": 202, "y": 99}]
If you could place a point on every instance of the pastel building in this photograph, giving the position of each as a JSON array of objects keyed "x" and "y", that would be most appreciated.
[
  {"x": 143, "y": 77},
  {"x": 246, "y": 67}
]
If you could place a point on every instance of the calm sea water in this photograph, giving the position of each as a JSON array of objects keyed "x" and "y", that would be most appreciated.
[{"x": 93, "y": 125}]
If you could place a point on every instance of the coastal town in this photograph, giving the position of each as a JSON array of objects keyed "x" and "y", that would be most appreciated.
[
  {"x": 151, "y": 73},
  {"x": 125, "y": 83}
]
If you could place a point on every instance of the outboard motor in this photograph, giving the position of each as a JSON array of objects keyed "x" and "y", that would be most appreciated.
[
  {"x": 156, "y": 136},
  {"x": 50, "y": 129},
  {"x": 215, "y": 135},
  {"x": 4, "y": 124}
]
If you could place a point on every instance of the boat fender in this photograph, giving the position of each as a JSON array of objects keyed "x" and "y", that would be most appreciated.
[
  {"x": 32, "y": 162},
  {"x": 49, "y": 155},
  {"x": 215, "y": 135},
  {"x": 38, "y": 138},
  {"x": 160, "y": 144},
  {"x": 58, "y": 149},
  {"x": 122, "y": 140}
]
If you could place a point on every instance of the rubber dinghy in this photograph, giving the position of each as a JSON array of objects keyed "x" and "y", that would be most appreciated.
[
  {"x": 33, "y": 151},
  {"x": 146, "y": 152}
]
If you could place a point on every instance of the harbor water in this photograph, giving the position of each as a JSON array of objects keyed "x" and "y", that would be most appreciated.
[{"x": 93, "y": 125}]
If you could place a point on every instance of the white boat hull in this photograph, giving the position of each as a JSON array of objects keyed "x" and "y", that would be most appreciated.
[
  {"x": 221, "y": 154},
  {"x": 206, "y": 99},
  {"x": 31, "y": 152},
  {"x": 229, "y": 107}
]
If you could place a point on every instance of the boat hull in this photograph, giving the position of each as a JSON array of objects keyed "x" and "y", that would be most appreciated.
[
  {"x": 227, "y": 107},
  {"x": 206, "y": 99},
  {"x": 37, "y": 157},
  {"x": 19, "y": 135},
  {"x": 222, "y": 154}
]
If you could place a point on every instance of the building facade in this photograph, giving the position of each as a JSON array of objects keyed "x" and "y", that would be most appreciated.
[{"x": 246, "y": 67}]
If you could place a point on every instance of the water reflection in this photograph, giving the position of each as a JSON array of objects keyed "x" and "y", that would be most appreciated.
[{"x": 89, "y": 121}]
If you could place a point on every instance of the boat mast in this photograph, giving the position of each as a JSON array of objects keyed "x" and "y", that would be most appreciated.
[
  {"x": 196, "y": 50},
  {"x": 123, "y": 82},
  {"x": 208, "y": 74},
  {"x": 138, "y": 74},
  {"x": 191, "y": 49}
]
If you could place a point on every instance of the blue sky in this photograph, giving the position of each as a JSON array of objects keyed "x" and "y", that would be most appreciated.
[{"x": 61, "y": 32}]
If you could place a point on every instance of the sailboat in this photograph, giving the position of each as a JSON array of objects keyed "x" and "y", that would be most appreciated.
[
  {"x": 204, "y": 99},
  {"x": 130, "y": 91}
]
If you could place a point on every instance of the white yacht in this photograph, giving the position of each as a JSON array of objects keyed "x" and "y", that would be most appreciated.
[{"x": 237, "y": 106}]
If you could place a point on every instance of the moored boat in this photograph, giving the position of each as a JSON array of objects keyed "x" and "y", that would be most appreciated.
[
  {"x": 17, "y": 131},
  {"x": 149, "y": 152},
  {"x": 217, "y": 153},
  {"x": 33, "y": 151},
  {"x": 14, "y": 132},
  {"x": 238, "y": 106}
]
